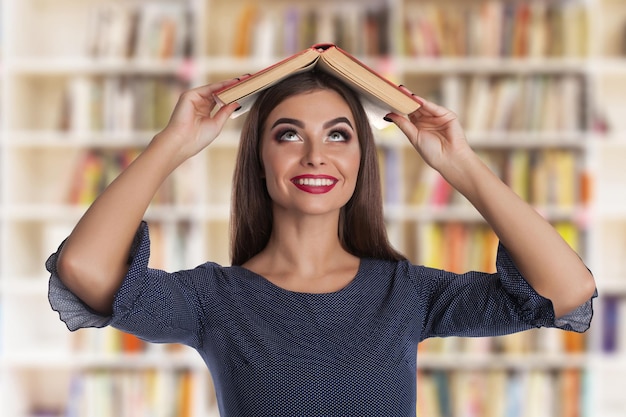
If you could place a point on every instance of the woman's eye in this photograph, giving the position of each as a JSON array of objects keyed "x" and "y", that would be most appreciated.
[
  {"x": 288, "y": 136},
  {"x": 338, "y": 136}
]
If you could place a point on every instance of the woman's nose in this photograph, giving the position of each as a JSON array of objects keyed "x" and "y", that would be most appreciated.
[{"x": 314, "y": 154}]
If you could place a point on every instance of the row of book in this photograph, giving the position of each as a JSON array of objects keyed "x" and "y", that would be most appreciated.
[
  {"x": 109, "y": 341},
  {"x": 106, "y": 341},
  {"x": 543, "y": 177},
  {"x": 525, "y": 102},
  {"x": 492, "y": 393},
  {"x": 178, "y": 245},
  {"x": 125, "y": 393},
  {"x": 139, "y": 30},
  {"x": 119, "y": 103},
  {"x": 460, "y": 246},
  {"x": 501, "y": 393},
  {"x": 359, "y": 28},
  {"x": 96, "y": 168},
  {"x": 544, "y": 341},
  {"x": 493, "y": 28},
  {"x": 456, "y": 246},
  {"x": 546, "y": 177}
]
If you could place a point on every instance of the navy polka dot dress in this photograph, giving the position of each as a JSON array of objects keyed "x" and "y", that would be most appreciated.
[{"x": 273, "y": 352}]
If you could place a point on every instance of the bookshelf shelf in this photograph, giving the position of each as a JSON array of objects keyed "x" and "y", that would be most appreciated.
[
  {"x": 52, "y": 139},
  {"x": 55, "y": 63},
  {"x": 463, "y": 213},
  {"x": 523, "y": 139},
  {"x": 103, "y": 66},
  {"x": 71, "y": 213},
  {"x": 615, "y": 284},
  {"x": 549, "y": 362},
  {"x": 612, "y": 213},
  {"x": 492, "y": 65},
  {"x": 609, "y": 66},
  {"x": 86, "y": 362},
  {"x": 29, "y": 286},
  {"x": 63, "y": 139},
  {"x": 417, "y": 66}
]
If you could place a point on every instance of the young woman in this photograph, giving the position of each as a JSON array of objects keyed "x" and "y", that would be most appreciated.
[{"x": 318, "y": 315}]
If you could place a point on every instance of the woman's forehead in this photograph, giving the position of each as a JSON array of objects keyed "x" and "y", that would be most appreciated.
[{"x": 321, "y": 104}]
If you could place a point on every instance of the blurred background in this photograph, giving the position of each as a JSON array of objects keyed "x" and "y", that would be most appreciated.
[{"x": 540, "y": 87}]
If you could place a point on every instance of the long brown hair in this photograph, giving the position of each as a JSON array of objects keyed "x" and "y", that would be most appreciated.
[{"x": 362, "y": 229}]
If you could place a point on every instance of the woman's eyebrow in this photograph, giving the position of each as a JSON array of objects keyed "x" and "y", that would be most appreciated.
[
  {"x": 286, "y": 120},
  {"x": 337, "y": 121},
  {"x": 300, "y": 124}
]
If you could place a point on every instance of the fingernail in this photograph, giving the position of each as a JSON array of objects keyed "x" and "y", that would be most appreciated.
[
  {"x": 387, "y": 119},
  {"x": 238, "y": 108}
]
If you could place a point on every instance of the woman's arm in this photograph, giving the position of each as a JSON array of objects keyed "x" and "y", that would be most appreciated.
[
  {"x": 94, "y": 258},
  {"x": 545, "y": 260}
]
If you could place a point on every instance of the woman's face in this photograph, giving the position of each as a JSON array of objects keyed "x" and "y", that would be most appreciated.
[{"x": 310, "y": 153}]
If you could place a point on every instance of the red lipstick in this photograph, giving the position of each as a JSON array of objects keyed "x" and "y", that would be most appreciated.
[{"x": 314, "y": 184}]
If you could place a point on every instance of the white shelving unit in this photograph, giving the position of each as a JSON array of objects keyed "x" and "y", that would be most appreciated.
[
  {"x": 54, "y": 90},
  {"x": 608, "y": 240}
]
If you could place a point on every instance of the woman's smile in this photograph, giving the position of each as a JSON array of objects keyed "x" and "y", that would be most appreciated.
[{"x": 314, "y": 184}]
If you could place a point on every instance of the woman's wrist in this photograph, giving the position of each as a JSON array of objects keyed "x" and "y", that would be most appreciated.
[
  {"x": 464, "y": 170},
  {"x": 168, "y": 149}
]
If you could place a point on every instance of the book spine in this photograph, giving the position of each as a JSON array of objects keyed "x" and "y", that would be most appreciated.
[
  {"x": 120, "y": 104},
  {"x": 455, "y": 246},
  {"x": 144, "y": 31},
  {"x": 610, "y": 323}
]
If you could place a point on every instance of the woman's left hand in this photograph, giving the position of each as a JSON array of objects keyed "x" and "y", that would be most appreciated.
[
  {"x": 435, "y": 132},
  {"x": 542, "y": 256}
]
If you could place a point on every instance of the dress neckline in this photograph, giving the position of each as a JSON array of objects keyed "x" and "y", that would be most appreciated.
[{"x": 269, "y": 284}]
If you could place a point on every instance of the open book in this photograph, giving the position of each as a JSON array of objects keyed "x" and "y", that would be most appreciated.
[{"x": 378, "y": 95}]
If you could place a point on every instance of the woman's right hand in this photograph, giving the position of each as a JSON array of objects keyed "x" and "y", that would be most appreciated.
[
  {"x": 194, "y": 124},
  {"x": 94, "y": 258}
]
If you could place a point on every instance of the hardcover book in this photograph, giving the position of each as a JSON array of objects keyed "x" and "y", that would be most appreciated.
[{"x": 378, "y": 95}]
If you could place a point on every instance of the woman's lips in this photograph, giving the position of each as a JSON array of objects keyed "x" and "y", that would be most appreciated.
[{"x": 314, "y": 184}]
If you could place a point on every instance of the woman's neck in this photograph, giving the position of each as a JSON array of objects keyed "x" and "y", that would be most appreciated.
[{"x": 304, "y": 254}]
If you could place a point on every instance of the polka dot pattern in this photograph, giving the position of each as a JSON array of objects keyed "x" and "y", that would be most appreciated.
[{"x": 273, "y": 352}]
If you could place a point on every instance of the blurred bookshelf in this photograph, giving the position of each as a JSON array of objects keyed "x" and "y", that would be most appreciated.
[
  {"x": 4, "y": 384},
  {"x": 539, "y": 86}
]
